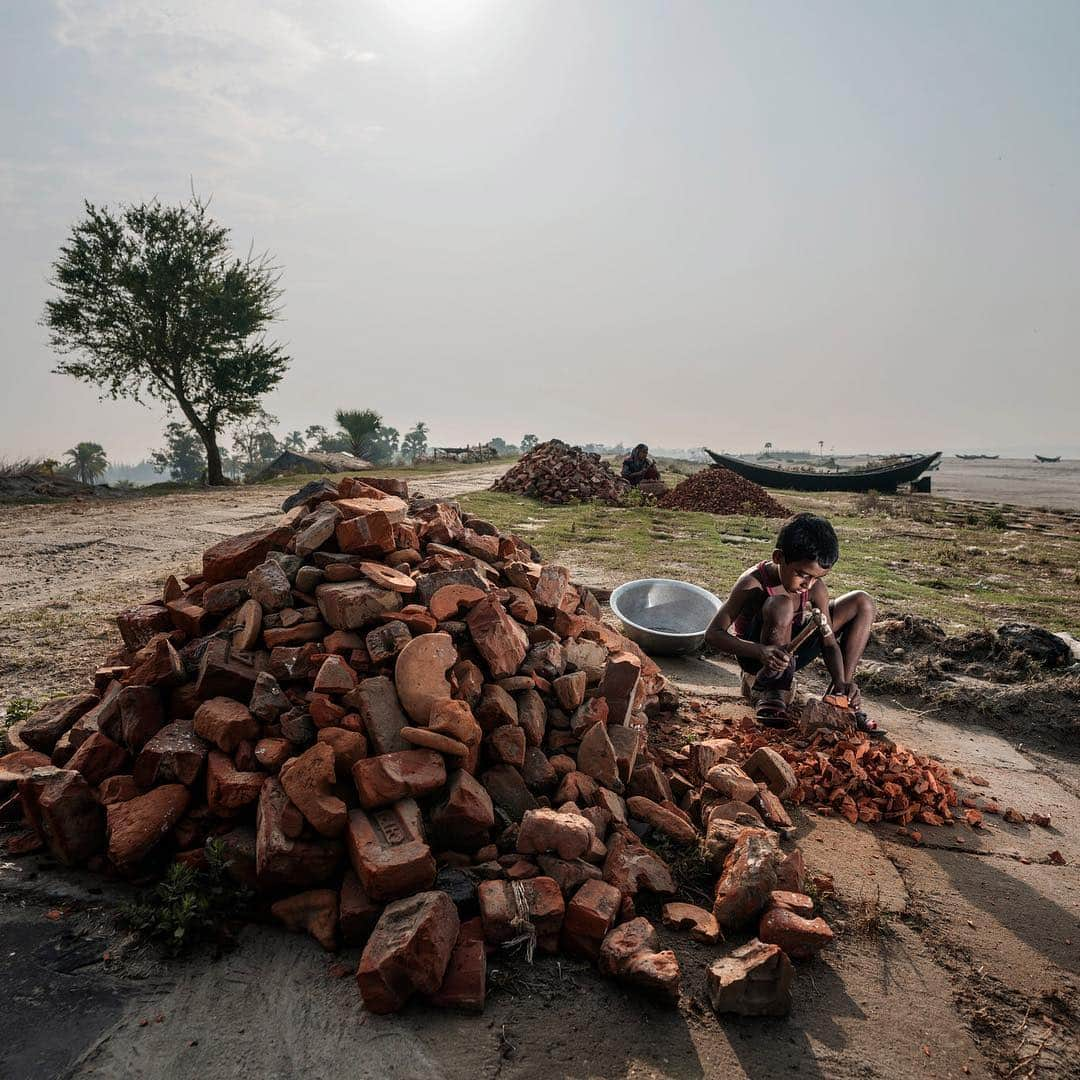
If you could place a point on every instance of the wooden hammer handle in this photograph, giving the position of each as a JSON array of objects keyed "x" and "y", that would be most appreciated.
[{"x": 817, "y": 622}]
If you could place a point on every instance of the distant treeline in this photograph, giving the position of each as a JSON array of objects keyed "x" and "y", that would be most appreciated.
[{"x": 141, "y": 472}]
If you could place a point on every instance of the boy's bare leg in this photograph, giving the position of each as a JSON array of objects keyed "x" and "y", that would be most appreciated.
[
  {"x": 776, "y": 615},
  {"x": 856, "y": 612}
]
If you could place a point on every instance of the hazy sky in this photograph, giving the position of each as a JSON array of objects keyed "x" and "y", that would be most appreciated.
[{"x": 682, "y": 222}]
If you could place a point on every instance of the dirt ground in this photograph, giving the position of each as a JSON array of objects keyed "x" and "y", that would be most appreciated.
[{"x": 954, "y": 958}]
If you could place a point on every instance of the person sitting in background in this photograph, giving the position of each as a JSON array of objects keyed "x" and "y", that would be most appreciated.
[
  {"x": 772, "y": 601},
  {"x": 638, "y": 466}
]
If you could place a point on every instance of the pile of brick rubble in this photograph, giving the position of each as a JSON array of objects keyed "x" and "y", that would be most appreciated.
[
  {"x": 558, "y": 473},
  {"x": 716, "y": 490},
  {"x": 389, "y": 713}
]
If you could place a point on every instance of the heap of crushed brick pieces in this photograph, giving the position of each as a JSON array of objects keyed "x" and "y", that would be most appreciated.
[
  {"x": 841, "y": 771},
  {"x": 557, "y": 473},
  {"x": 716, "y": 490},
  {"x": 411, "y": 736}
]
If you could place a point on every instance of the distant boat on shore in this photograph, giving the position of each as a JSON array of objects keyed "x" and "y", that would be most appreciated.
[
  {"x": 978, "y": 457},
  {"x": 1047, "y": 460},
  {"x": 882, "y": 478}
]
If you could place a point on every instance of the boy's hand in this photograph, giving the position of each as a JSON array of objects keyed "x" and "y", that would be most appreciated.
[{"x": 774, "y": 659}]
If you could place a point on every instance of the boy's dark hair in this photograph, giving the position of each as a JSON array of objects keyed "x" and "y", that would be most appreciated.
[{"x": 807, "y": 536}]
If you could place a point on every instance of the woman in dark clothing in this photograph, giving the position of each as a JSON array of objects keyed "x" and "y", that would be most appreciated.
[{"x": 638, "y": 466}]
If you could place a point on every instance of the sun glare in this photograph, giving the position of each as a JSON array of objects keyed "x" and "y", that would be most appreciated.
[{"x": 441, "y": 16}]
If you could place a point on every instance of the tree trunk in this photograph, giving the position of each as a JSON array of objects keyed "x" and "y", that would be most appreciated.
[{"x": 215, "y": 476}]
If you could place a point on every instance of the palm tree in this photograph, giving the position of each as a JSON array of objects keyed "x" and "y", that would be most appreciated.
[
  {"x": 87, "y": 460},
  {"x": 357, "y": 427},
  {"x": 415, "y": 442}
]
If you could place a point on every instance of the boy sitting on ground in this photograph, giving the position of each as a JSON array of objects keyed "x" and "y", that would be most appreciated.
[{"x": 772, "y": 601}]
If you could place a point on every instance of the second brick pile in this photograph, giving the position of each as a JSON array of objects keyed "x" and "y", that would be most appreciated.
[
  {"x": 558, "y": 473},
  {"x": 716, "y": 490}
]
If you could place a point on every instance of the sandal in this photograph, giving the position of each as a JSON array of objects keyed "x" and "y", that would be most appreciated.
[
  {"x": 773, "y": 713},
  {"x": 868, "y": 726}
]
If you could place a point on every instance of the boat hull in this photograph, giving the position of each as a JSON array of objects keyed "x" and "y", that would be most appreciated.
[{"x": 885, "y": 479}]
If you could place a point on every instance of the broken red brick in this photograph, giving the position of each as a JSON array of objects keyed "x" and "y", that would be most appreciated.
[
  {"x": 228, "y": 789},
  {"x": 749, "y": 876},
  {"x": 498, "y": 638},
  {"x": 701, "y": 923},
  {"x": 314, "y": 912},
  {"x": 388, "y": 851},
  {"x": 465, "y": 983},
  {"x": 589, "y": 916},
  {"x": 532, "y": 907},
  {"x": 800, "y": 938},
  {"x": 409, "y": 951},
  {"x": 386, "y": 778},
  {"x": 135, "y": 827},
  {"x": 569, "y": 835},
  {"x": 225, "y": 723},
  {"x": 309, "y": 781},
  {"x": 60, "y": 806},
  {"x": 753, "y": 980},
  {"x": 235, "y": 556}
]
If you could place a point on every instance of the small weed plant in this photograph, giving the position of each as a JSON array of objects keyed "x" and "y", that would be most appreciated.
[
  {"x": 189, "y": 904},
  {"x": 17, "y": 708}
]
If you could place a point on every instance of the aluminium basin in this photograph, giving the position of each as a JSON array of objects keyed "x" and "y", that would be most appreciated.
[{"x": 664, "y": 616}]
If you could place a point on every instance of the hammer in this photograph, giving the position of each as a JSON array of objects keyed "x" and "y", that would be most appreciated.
[{"x": 815, "y": 622}]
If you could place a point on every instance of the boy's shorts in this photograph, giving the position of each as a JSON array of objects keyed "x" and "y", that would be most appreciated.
[{"x": 809, "y": 650}]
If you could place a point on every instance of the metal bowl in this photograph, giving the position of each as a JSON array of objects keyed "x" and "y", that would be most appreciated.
[{"x": 664, "y": 616}]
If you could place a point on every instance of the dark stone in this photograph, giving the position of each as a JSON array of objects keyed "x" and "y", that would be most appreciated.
[
  {"x": 460, "y": 886},
  {"x": 1042, "y": 646},
  {"x": 309, "y": 492},
  {"x": 298, "y": 727}
]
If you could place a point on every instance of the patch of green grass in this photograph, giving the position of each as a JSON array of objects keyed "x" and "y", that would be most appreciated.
[
  {"x": 18, "y": 708},
  {"x": 188, "y": 905},
  {"x": 919, "y": 565}
]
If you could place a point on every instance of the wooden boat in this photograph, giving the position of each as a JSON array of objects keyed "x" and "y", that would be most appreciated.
[
  {"x": 882, "y": 478},
  {"x": 978, "y": 457},
  {"x": 1047, "y": 460}
]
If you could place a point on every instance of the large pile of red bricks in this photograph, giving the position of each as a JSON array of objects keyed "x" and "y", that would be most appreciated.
[
  {"x": 411, "y": 735},
  {"x": 557, "y": 473},
  {"x": 716, "y": 490}
]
